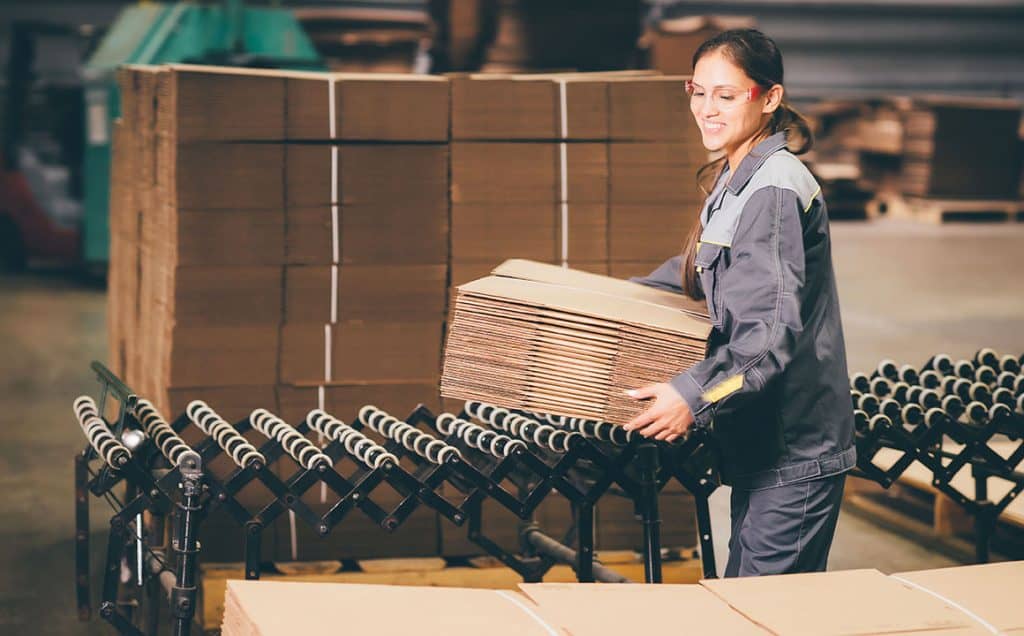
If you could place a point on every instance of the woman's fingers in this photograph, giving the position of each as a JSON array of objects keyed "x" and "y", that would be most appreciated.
[
  {"x": 644, "y": 419},
  {"x": 643, "y": 392}
]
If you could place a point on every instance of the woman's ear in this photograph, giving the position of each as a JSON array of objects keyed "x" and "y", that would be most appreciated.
[{"x": 773, "y": 99}]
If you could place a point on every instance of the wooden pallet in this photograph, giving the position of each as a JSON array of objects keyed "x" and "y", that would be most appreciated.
[
  {"x": 936, "y": 211},
  {"x": 482, "y": 572},
  {"x": 914, "y": 508}
]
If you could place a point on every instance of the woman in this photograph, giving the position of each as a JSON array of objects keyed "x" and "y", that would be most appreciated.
[{"x": 775, "y": 382}]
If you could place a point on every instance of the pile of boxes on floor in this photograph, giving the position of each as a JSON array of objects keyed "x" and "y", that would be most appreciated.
[
  {"x": 924, "y": 147},
  {"x": 290, "y": 240}
]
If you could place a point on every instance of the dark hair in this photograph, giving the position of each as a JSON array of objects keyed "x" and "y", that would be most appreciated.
[{"x": 759, "y": 57}]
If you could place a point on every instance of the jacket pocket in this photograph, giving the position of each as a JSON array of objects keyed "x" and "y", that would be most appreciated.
[{"x": 708, "y": 262}]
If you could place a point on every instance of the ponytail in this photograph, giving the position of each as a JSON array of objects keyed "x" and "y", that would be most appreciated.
[{"x": 799, "y": 138}]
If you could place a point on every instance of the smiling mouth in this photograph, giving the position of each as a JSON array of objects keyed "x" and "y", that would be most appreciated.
[{"x": 711, "y": 126}]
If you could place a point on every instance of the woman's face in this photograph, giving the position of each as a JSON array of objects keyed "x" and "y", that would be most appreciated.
[{"x": 730, "y": 120}]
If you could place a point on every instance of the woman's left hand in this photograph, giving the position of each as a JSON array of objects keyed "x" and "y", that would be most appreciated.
[{"x": 668, "y": 417}]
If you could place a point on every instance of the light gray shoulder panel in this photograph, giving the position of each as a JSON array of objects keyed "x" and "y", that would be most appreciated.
[{"x": 780, "y": 170}]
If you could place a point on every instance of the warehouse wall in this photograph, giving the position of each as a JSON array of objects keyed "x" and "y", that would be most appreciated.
[
  {"x": 832, "y": 47},
  {"x": 842, "y": 47}
]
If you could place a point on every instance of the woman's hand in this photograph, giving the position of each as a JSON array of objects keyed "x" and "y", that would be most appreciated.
[{"x": 667, "y": 418}]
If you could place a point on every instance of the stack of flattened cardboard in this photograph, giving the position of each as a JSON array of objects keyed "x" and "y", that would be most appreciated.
[
  {"x": 281, "y": 238},
  {"x": 553, "y": 340},
  {"x": 959, "y": 600},
  {"x": 365, "y": 277},
  {"x": 946, "y": 154},
  {"x": 594, "y": 171}
]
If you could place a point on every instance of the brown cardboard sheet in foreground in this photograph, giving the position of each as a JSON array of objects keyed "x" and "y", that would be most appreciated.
[
  {"x": 990, "y": 592},
  {"x": 583, "y": 609},
  {"x": 270, "y": 608},
  {"x": 845, "y": 602},
  {"x": 956, "y": 601}
]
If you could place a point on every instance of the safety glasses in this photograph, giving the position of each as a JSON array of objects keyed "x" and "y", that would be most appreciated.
[{"x": 723, "y": 98}]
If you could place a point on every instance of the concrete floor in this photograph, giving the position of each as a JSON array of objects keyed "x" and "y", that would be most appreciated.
[{"x": 907, "y": 291}]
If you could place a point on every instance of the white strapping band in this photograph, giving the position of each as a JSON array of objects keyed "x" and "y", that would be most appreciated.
[
  {"x": 331, "y": 110},
  {"x": 321, "y": 440},
  {"x": 563, "y": 154},
  {"x": 981, "y": 621},
  {"x": 327, "y": 353},
  {"x": 540, "y": 621},
  {"x": 295, "y": 541},
  {"x": 332, "y": 124},
  {"x": 335, "y": 233},
  {"x": 334, "y": 293}
]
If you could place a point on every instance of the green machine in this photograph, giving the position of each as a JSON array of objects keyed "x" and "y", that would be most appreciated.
[{"x": 226, "y": 34}]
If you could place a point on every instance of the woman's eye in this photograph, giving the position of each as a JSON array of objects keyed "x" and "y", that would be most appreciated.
[
  {"x": 698, "y": 93},
  {"x": 727, "y": 97}
]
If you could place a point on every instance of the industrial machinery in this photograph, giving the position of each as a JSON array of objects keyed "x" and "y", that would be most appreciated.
[
  {"x": 226, "y": 33},
  {"x": 40, "y": 148},
  {"x": 485, "y": 453},
  {"x": 450, "y": 463}
]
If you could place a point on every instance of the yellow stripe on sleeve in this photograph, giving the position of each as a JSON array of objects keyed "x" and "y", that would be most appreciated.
[
  {"x": 723, "y": 389},
  {"x": 811, "y": 202}
]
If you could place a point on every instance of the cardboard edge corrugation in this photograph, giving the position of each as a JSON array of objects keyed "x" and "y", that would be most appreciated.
[
  {"x": 545, "y": 273},
  {"x": 591, "y": 303}
]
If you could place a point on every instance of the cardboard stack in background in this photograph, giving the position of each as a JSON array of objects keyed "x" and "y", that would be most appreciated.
[
  {"x": 947, "y": 155},
  {"x": 590, "y": 170},
  {"x": 366, "y": 272},
  {"x": 242, "y": 236},
  {"x": 255, "y": 215}
]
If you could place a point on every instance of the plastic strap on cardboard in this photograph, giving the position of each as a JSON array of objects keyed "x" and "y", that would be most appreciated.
[
  {"x": 563, "y": 173},
  {"x": 974, "y": 617}
]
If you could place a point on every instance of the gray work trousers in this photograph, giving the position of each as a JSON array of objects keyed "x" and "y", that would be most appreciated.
[{"x": 784, "y": 529}]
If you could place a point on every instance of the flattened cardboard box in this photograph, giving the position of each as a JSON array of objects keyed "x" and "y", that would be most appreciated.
[
  {"x": 372, "y": 234},
  {"x": 503, "y": 173},
  {"x": 225, "y": 176},
  {"x": 820, "y": 603},
  {"x": 221, "y": 356},
  {"x": 376, "y": 292},
  {"x": 651, "y": 109},
  {"x": 362, "y": 351},
  {"x": 370, "y": 174},
  {"x": 492, "y": 233},
  {"x": 227, "y": 296},
  {"x": 528, "y": 107},
  {"x": 210, "y": 103},
  {"x": 986, "y": 591},
  {"x": 230, "y": 237},
  {"x": 659, "y": 173},
  {"x": 255, "y": 607},
  {"x": 646, "y": 232},
  {"x": 608, "y": 610},
  {"x": 564, "y": 347},
  {"x": 368, "y": 107}
]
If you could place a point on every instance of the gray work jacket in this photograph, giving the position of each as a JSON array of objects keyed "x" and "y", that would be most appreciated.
[{"x": 774, "y": 387}]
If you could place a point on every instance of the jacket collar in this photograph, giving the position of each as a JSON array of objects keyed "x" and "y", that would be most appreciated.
[{"x": 757, "y": 156}]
